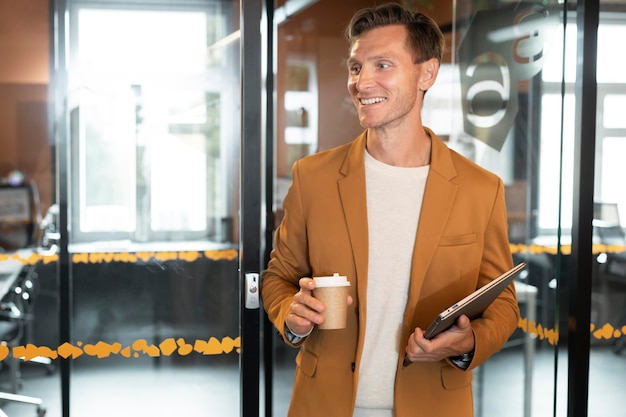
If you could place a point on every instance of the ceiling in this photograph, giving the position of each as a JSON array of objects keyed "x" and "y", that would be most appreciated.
[{"x": 329, "y": 18}]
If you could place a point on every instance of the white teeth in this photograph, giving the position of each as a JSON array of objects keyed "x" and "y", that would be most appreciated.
[{"x": 372, "y": 100}]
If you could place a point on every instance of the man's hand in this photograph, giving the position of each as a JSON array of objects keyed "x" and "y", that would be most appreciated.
[
  {"x": 305, "y": 310},
  {"x": 456, "y": 341}
]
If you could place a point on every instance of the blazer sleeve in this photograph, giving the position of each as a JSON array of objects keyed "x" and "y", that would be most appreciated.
[
  {"x": 288, "y": 261},
  {"x": 500, "y": 320}
]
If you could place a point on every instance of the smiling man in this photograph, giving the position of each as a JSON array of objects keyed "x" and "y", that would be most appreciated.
[{"x": 412, "y": 224}]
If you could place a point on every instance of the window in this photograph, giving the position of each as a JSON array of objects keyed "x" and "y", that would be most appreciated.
[
  {"x": 611, "y": 131},
  {"x": 154, "y": 104}
]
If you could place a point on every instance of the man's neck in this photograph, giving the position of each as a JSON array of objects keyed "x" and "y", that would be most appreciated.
[{"x": 407, "y": 149}]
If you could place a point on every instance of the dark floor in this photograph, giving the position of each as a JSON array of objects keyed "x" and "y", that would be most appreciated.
[{"x": 210, "y": 387}]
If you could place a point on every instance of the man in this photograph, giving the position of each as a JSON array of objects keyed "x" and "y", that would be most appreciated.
[{"x": 413, "y": 225}]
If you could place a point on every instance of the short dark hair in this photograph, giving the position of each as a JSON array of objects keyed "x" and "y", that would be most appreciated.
[{"x": 424, "y": 38}]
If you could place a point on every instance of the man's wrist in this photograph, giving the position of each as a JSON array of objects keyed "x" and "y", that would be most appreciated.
[{"x": 294, "y": 337}]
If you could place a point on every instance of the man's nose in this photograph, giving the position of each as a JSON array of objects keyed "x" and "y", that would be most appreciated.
[{"x": 364, "y": 80}]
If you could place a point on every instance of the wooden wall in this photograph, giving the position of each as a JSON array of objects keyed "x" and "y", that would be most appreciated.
[{"x": 24, "y": 78}]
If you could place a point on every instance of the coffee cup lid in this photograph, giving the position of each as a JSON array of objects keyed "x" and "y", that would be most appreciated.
[{"x": 335, "y": 280}]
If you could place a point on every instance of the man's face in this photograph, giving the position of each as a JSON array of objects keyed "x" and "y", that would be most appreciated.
[{"x": 383, "y": 81}]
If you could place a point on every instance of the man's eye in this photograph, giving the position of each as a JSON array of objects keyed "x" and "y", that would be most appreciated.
[
  {"x": 354, "y": 69},
  {"x": 383, "y": 66}
]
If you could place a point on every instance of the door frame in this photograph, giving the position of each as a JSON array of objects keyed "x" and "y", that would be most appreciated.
[{"x": 251, "y": 201}]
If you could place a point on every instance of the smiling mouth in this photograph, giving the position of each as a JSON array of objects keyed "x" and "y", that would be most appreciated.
[{"x": 368, "y": 101}]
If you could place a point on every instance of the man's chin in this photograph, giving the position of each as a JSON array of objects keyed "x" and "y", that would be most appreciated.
[{"x": 367, "y": 123}]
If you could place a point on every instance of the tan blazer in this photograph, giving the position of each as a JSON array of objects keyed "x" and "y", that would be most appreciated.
[{"x": 460, "y": 245}]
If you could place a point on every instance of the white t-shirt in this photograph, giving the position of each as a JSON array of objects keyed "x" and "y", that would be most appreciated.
[{"x": 394, "y": 201}]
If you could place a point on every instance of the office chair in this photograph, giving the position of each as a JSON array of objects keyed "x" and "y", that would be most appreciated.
[
  {"x": 19, "y": 218},
  {"x": 13, "y": 321}
]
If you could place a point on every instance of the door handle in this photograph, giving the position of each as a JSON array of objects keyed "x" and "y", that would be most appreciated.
[{"x": 252, "y": 290}]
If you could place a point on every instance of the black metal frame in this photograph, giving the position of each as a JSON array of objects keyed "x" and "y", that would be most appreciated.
[
  {"x": 59, "y": 131},
  {"x": 269, "y": 25},
  {"x": 578, "y": 343},
  {"x": 251, "y": 210}
]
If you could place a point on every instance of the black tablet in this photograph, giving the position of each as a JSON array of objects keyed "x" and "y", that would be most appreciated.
[{"x": 474, "y": 304}]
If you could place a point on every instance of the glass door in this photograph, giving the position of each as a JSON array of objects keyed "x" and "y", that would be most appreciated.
[
  {"x": 504, "y": 98},
  {"x": 151, "y": 196}
]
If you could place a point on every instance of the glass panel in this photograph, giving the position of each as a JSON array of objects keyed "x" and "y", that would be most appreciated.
[
  {"x": 154, "y": 142},
  {"x": 608, "y": 296},
  {"x": 533, "y": 162},
  {"x": 513, "y": 54}
]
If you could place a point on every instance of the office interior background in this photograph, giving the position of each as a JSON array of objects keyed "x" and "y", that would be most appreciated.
[{"x": 146, "y": 146}]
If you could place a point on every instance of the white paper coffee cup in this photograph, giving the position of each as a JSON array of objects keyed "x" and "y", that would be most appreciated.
[{"x": 333, "y": 292}]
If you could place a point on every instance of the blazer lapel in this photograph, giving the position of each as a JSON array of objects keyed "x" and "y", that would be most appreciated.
[{"x": 353, "y": 200}]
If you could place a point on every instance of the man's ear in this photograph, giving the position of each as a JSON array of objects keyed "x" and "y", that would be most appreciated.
[{"x": 428, "y": 73}]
